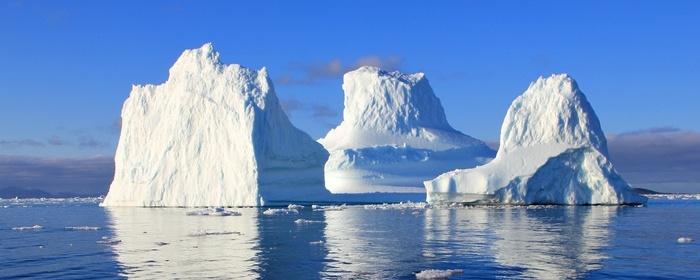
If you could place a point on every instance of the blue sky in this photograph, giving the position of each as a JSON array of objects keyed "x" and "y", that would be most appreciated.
[{"x": 67, "y": 66}]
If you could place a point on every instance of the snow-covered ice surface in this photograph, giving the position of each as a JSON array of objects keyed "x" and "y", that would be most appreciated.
[
  {"x": 552, "y": 151},
  {"x": 212, "y": 135},
  {"x": 394, "y": 135}
]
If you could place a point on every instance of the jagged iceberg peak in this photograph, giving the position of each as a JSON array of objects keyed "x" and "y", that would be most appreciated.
[
  {"x": 194, "y": 60},
  {"x": 392, "y": 108},
  {"x": 552, "y": 110},
  {"x": 391, "y": 101},
  {"x": 200, "y": 65},
  {"x": 212, "y": 135}
]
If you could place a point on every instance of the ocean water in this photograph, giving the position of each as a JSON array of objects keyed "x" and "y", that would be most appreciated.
[{"x": 75, "y": 238}]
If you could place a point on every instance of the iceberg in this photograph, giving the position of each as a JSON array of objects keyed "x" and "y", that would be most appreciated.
[
  {"x": 394, "y": 135},
  {"x": 552, "y": 151},
  {"x": 212, "y": 135}
]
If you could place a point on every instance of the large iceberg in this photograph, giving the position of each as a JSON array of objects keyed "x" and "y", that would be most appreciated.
[
  {"x": 212, "y": 135},
  {"x": 394, "y": 135},
  {"x": 552, "y": 151}
]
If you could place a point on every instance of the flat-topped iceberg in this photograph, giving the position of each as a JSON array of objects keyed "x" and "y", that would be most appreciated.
[
  {"x": 212, "y": 135},
  {"x": 552, "y": 151},
  {"x": 394, "y": 135}
]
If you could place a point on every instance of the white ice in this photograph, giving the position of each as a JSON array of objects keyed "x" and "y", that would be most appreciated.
[
  {"x": 552, "y": 150},
  {"x": 394, "y": 135},
  {"x": 213, "y": 134}
]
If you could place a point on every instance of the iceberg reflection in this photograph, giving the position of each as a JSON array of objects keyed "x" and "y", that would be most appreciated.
[
  {"x": 552, "y": 243},
  {"x": 166, "y": 243},
  {"x": 377, "y": 242},
  {"x": 372, "y": 244}
]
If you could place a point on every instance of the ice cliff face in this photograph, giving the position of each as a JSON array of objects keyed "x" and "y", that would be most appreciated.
[
  {"x": 552, "y": 150},
  {"x": 212, "y": 135},
  {"x": 394, "y": 135},
  {"x": 391, "y": 108}
]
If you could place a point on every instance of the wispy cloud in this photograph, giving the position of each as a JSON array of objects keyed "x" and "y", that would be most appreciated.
[
  {"x": 21, "y": 143},
  {"x": 390, "y": 63},
  {"x": 315, "y": 72},
  {"x": 291, "y": 105},
  {"x": 318, "y": 111},
  {"x": 322, "y": 111},
  {"x": 83, "y": 138},
  {"x": 55, "y": 140},
  {"x": 57, "y": 175},
  {"x": 90, "y": 142}
]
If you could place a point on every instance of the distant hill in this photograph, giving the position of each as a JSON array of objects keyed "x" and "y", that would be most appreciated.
[
  {"x": 645, "y": 191},
  {"x": 12, "y": 192}
]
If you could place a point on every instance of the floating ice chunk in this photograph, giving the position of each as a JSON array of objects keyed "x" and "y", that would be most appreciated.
[
  {"x": 438, "y": 273},
  {"x": 399, "y": 206},
  {"x": 213, "y": 212},
  {"x": 306, "y": 222},
  {"x": 295, "y": 206},
  {"x": 320, "y": 242},
  {"x": 280, "y": 211},
  {"x": 683, "y": 240},
  {"x": 329, "y": 207},
  {"x": 82, "y": 228},
  {"x": 675, "y": 196},
  {"x": 109, "y": 240},
  {"x": 34, "y": 227},
  {"x": 28, "y": 202}
]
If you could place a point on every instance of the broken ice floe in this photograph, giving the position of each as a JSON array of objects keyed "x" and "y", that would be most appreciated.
[
  {"x": 81, "y": 228},
  {"x": 306, "y": 222},
  {"x": 213, "y": 212},
  {"x": 34, "y": 227},
  {"x": 438, "y": 273},
  {"x": 280, "y": 211}
]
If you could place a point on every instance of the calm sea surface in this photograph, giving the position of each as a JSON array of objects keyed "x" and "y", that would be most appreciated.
[{"x": 75, "y": 238}]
